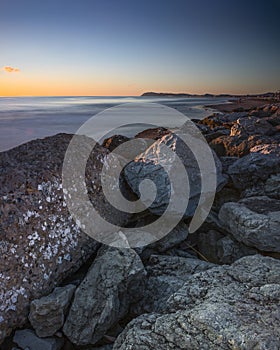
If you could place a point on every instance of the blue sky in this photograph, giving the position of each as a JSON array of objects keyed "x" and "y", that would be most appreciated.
[{"x": 128, "y": 47}]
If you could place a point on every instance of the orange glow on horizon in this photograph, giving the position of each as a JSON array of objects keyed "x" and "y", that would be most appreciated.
[
  {"x": 19, "y": 85},
  {"x": 13, "y": 85}
]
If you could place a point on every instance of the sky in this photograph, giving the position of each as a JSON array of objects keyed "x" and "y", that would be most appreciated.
[{"x": 121, "y": 47}]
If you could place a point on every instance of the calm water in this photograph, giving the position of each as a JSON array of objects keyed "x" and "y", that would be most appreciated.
[{"x": 25, "y": 118}]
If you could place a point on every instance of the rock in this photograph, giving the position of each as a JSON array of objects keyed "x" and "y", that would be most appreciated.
[
  {"x": 215, "y": 134},
  {"x": 47, "y": 314},
  {"x": 149, "y": 165},
  {"x": 153, "y": 133},
  {"x": 238, "y": 146},
  {"x": 222, "y": 121},
  {"x": 204, "y": 129},
  {"x": 259, "y": 165},
  {"x": 28, "y": 339},
  {"x": 207, "y": 245},
  {"x": 114, "y": 141},
  {"x": 251, "y": 126},
  {"x": 227, "y": 162},
  {"x": 269, "y": 187},
  {"x": 229, "y": 250},
  {"x": 226, "y": 307},
  {"x": 253, "y": 221},
  {"x": 272, "y": 186},
  {"x": 166, "y": 275},
  {"x": 220, "y": 249},
  {"x": 173, "y": 238},
  {"x": 41, "y": 244},
  {"x": 105, "y": 347},
  {"x": 267, "y": 112},
  {"x": 115, "y": 280}
]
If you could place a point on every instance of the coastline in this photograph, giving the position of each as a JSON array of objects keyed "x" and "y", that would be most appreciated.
[{"x": 243, "y": 104}]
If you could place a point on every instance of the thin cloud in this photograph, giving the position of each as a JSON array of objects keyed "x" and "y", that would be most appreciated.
[{"x": 9, "y": 69}]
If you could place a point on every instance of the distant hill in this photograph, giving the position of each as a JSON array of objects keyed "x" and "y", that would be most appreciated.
[
  {"x": 185, "y": 95},
  {"x": 171, "y": 94}
]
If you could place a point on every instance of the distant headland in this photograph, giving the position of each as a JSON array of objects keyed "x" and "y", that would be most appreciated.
[{"x": 206, "y": 95}]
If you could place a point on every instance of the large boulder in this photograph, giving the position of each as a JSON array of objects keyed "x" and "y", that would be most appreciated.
[
  {"x": 254, "y": 221},
  {"x": 260, "y": 168},
  {"x": 251, "y": 126},
  {"x": 226, "y": 307},
  {"x": 150, "y": 165},
  {"x": 115, "y": 280},
  {"x": 40, "y": 243}
]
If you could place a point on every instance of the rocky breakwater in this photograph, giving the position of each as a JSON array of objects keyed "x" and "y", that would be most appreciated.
[{"x": 215, "y": 288}]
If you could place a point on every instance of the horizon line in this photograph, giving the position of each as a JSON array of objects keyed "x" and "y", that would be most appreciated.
[{"x": 154, "y": 92}]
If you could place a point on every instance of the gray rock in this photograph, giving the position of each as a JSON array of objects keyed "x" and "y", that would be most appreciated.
[
  {"x": 259, "y": 165},
  {"x": 229, "y": 250},
  {"x": 221, "y": 249},
  {"x": 226, "y": 307},
  {"x": 105, "y": 347},
  {"x": 251, "y": 126},
  {"x": 269, "y": 187},
  {"x": 47, "y": 314},
  {"x": 227, "y": 162},
  {"x": 28, "y": 339},
  {"x": 213, "y": 135},
  {"x": 272, "y": 186},
  {"x": 148, "y": 165},
  {"x": 115, "y": 280},
  {"x": 254, "y": 221},
  {"x": 207, "y": 244},
  {"x": 173, "y": 238},
  {"x": 166, "y": 274}
]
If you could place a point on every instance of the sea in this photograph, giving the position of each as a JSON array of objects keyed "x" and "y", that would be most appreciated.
[{"x": 27, "y": 118}]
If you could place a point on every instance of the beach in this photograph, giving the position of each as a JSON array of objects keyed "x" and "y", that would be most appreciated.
[{"x": 241, "y": 104}]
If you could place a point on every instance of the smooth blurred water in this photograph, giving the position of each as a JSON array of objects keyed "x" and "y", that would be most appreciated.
[{"x": 26, "y": 118}]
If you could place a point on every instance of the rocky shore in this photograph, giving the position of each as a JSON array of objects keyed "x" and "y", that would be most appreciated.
[{"x": 216, "y": 288}]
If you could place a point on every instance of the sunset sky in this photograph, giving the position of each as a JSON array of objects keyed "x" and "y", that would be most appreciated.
[{"x": 121, "y": 47}]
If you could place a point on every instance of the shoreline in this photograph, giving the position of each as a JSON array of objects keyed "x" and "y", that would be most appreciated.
[{"x": 241, "y": 104}]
